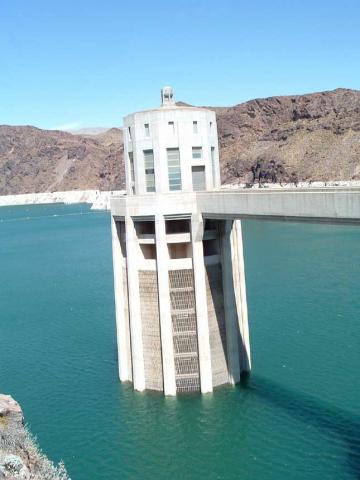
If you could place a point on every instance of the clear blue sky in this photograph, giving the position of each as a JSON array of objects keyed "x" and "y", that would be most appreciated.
[{"x": 88, "y": 63}]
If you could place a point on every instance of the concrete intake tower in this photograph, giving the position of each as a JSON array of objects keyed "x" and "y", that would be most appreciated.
[{"x": 181, "y": 310}]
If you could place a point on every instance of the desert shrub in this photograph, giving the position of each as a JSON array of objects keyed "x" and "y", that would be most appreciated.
[{"x": 17, "y": 440}]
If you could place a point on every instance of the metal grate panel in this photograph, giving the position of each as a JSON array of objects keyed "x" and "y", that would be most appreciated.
[
  {"x": 182, "y": 296},
  {"x": 151, "y": 329}
]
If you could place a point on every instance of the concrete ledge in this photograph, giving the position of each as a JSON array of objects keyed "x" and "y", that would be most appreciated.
[
  {"x": 320, "y": 205},
  {"x": 330, "y": 205}
]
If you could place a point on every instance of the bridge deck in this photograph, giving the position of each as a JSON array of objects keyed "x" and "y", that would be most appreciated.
[
  {"x": 334, "y": 204},
  {"x": 317, "y": 205}
]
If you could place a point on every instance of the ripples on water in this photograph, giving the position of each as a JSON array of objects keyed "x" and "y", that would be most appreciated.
[{"x": 295, "y": 417}]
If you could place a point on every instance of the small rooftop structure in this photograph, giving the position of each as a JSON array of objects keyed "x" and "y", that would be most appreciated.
[{"x": 167, "y": 96}]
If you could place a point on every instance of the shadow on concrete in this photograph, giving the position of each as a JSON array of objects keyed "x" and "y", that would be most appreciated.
[
  {"x": 214, "y": 275},
  {"x": 321, "y": 415}
]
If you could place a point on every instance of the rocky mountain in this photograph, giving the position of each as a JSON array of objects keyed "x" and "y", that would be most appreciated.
[
  {"x": 308, "y": 137},
  {"x": 35, "y": 160},
  {"x": 311, "y": 137}
]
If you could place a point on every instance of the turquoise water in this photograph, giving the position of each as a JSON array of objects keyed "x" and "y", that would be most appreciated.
[{"x": 296, "y": 417}]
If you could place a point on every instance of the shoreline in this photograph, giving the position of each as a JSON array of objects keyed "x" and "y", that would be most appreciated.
[
  {"x": 100, "y": 200},
  {"x": 307, "y": 185},
  {"x": 20, "y": 455}
]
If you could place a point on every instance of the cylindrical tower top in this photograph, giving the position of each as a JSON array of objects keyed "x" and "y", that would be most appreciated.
[
  {"x": 170, "y": 149},
  {"x": 167, "y": 96}
]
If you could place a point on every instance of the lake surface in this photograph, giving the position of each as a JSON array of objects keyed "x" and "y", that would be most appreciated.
[{"x": 296, "y": 417}]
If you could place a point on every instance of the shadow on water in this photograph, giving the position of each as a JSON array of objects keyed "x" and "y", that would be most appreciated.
[{"x": 321, "y": 415}]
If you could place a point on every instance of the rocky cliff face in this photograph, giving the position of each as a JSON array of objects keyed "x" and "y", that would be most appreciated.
[
  {"x": 308, "y": 137},
  {"x": 315, "y": 137},
  {"x": 20, "y": 458},
  {"x": 35, "y": 160}
]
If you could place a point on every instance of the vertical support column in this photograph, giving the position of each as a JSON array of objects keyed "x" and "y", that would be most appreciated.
[
  {"x": 122, "y": 323},
  {"x": 134, "y": 306},
  {"x": 230, "y": 285},
  {"x": 240, "y": 294},
  {"x": 167, "y": 346},
  {"x": 197, "y": 233}
]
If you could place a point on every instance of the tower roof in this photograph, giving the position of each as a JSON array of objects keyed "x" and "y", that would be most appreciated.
[{"x": 168, "y": 103}]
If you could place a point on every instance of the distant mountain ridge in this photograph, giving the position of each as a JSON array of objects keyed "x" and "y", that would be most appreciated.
[
  {"x": 34, "y": 160},
  {"x": 314, "y": 137},
  {"x": 88, "y": 131}
]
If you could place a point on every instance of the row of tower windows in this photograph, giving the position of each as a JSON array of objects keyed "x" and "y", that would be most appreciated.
[
  {"x": 171, "y": 129},
  {"x": 174, "y": 169}
]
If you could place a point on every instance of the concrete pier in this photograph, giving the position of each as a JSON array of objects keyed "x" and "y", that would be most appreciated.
[
  {"x": 167, "y": 347},
  {"x": 121, "y": 301},
  {"x": 137, "y": 348},
  {"x": 203, "y": 336}
]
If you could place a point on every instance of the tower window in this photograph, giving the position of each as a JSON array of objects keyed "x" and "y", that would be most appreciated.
[
  {"x": 174, "y": 171},
  {"x": 197, "y": 153},
  {"x": 211, "y": 124},
  {"x": 213, "y": 165},
  {"x": 149, "y": 170},
  {"x": 171, "y": 127},
  {"x": 198, "y": 178},
  {"x": 177, "y": 226},
  {"x": 132, "y": 171},
  {"x": 195, "y": 127},
  {"x": 179, "y": 250},
  {"x": 129, "y": 133},
  {"x": 147, "y": 130}
]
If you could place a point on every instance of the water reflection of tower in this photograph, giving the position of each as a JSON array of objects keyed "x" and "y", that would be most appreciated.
[{"x": 179, "y": 277}]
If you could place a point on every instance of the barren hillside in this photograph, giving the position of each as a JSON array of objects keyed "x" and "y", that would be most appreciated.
[
  {"x": 314, "y": 137},
  {"x": 35, "y": 160}
]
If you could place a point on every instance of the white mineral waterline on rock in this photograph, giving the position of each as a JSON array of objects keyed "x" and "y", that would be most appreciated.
[{"x": 99, "y": 200}]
